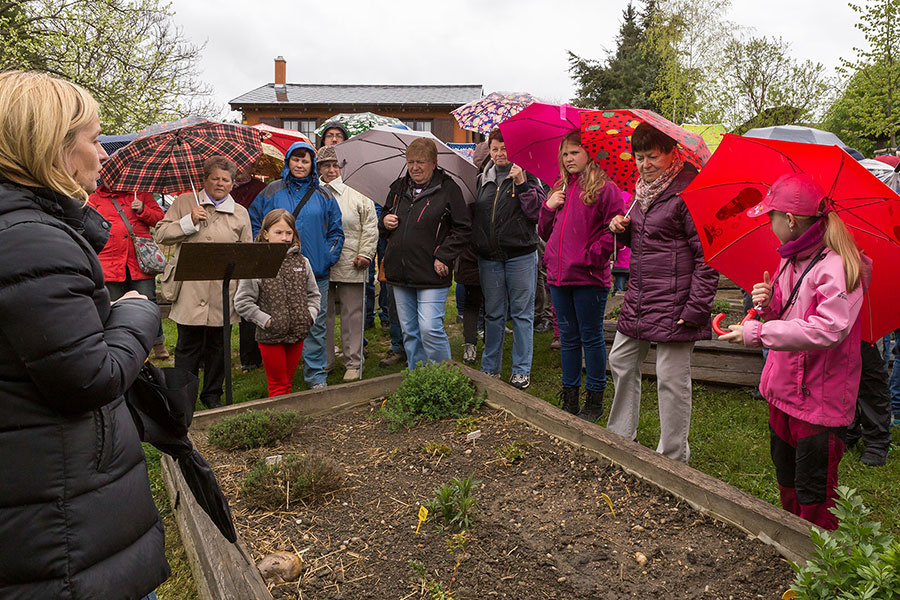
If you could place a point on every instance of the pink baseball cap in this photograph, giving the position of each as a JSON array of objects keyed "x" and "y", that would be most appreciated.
[{"x": 795, "y": 193}]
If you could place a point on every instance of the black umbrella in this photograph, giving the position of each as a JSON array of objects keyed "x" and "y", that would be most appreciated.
[{"x": 162, "y": 406}]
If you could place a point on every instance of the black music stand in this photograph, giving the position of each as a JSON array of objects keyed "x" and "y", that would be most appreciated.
[{"x": 211, "y": 261}]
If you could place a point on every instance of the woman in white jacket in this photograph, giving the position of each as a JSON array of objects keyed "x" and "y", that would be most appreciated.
[{"x": 348, "y": 274}]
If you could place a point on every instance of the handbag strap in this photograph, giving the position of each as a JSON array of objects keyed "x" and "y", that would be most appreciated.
[
  {"x": 303, "y": 202},
  {"x": 796, "y": 289},
  {"x": 124, "y": 218}
]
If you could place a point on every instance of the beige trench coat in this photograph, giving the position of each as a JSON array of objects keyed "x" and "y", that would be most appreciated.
[
  {"x": 360, "y": 226},
  {"x": 200, "y": 302}
]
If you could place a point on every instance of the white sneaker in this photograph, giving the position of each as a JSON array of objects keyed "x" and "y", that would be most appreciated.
[
  {"x": 319, "y": 386},
  {"x": 351, "y": 375},
  {"x": 469, "y": 353},
  {"x": 520, "y": 380}
]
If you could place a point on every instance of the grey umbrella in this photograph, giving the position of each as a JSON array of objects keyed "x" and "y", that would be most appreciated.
[{"x": 805, "y": 135}]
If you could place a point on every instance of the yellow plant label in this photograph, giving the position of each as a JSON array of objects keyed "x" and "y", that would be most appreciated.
[
  {"x": 788, "y": 595},
  {"x": 423, "y": 514}
]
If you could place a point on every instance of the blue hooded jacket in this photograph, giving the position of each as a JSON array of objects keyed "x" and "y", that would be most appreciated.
[{"x": 319, "y": 221}]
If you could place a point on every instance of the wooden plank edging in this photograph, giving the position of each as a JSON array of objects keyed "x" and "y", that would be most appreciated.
[{"x": 224, "y": 571}]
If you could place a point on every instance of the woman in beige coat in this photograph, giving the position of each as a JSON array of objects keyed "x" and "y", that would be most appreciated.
[
  {"x": 348, "y": 275},
  {"x": 198, "y": 309}
]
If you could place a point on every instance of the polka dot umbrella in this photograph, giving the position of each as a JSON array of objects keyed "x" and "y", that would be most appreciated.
[{"x": 606, "y": 135}]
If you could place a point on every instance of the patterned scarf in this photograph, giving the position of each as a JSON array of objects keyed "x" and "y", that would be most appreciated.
[{"x": 647, "y": 193}]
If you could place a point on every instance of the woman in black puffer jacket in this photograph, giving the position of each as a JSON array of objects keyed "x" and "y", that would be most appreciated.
[{"x": 77, "y": 520}]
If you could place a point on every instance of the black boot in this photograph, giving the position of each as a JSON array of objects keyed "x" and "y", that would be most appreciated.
[
  {"x": 593, "y": 406},
  {"x": 569, "y": 399}
]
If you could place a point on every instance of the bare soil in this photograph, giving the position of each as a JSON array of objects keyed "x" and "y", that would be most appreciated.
[{"x": 544, "y": 528}]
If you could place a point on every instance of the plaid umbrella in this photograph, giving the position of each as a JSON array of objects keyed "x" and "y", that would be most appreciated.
[
  {"x": 357, "y": 123},
  {"x": 168, "y": 157},
  {"x": 482, "y": 115}
]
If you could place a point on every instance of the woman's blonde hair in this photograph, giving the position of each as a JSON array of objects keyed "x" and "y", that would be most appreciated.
[
  {"x": 40, "y": 117},
  {"x": 272, "y": 217},
  {"x": 591, "y": 180}
]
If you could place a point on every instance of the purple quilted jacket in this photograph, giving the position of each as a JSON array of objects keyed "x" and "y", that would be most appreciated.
[{"x": 668, "y": 278}]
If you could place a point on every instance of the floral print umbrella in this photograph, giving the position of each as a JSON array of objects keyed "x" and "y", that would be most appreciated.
[
  {"x": 357, "y": 123},
  {"x": 606, "y": 135},
  {"x": 483, "y": 115}
]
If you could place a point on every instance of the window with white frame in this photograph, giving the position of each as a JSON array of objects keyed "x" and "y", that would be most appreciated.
[
  {"x": 305, "y": 126},
  {"x": 418, "y": 124}
]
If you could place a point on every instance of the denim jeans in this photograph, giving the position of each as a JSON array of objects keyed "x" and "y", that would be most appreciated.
[
  {"x": 579, "y": 312},
  {"x": 385, "y": 300},
  {"x": 895, "y": 375},
  {"x": 421, "y": 315},
  {"x": 508, "y": 288},
  {"x": 314, "y": 357},
  {"x": 150, "y": 596},
  {"x": 620, "y": 280}
]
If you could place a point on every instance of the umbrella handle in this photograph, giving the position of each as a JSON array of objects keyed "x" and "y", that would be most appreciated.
[{"x": 717, "y": 320}]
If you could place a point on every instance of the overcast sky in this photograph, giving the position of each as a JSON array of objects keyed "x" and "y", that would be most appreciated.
[{"x": 502, "y": 44}]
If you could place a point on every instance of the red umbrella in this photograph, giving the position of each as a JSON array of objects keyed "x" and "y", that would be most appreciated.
[
  {"x": 606, "y": 135},
  {"x": 168, "y": 158},
  {"x": 737, "y": 178},
  {"x": 280, "y": 139}
]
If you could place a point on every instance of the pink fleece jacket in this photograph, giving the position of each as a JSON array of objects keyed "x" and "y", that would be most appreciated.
[{"x": 813, "y": 368}]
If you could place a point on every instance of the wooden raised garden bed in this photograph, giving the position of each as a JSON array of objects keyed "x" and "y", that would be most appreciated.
[{"x": 543, "y": 530}]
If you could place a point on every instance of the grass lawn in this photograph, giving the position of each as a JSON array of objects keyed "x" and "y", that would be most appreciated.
[{"x": 729, "y": 435}]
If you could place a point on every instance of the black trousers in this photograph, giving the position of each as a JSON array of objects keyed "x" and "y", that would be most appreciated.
[
  {"x": 199, "y": 347},
  {"x": 249, "y": 349},
  {"x": 873, "y": 403},
  {"x": 471, "y": 309}
]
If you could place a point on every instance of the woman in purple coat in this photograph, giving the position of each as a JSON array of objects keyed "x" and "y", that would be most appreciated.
[
  {"x": 669, "y": 296},
  {"x": 574, "y": 221}
]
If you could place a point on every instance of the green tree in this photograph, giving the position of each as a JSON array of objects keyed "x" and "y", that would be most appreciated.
[
  {"x": 127, "y": 53},
  {"x": 758, "y": 80},
  {"x": 625, "y": 79},
  {"x": 687, "y": 37},
  {"x": 869, "y": 102}
]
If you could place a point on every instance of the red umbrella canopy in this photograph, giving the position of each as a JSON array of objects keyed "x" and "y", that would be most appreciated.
[
  {"x": 606, "y": 135},
  {"x": 168, "y": 157},
  {"x": 279, "y": 138},
  {"x": 737, "y": 178}
]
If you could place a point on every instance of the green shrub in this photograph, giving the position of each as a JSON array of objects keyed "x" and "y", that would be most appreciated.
[
  {"x": 431, "y": 392},
  {"x": 296, "y": 477},
  {"x": 253, "y": 429},
  {"x": 434, "y": 448},
  {"x": 721, "y": 306},
  {"x": 856, "y": 561},
  {"x": 613, "y": 313},
  {"x": 454, "y": 502},
  {"x": 514, "y": 451},
  {"x": 466, "y": 424}
]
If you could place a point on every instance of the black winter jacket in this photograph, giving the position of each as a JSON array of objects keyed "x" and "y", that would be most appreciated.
[
  {"x": 433, "y": 225},
  {"x": 504, "y": 225},
  {"x": 77, "y": 520}
]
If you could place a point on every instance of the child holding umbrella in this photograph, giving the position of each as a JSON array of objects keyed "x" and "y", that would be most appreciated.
[{"x": 812, "y": 330}]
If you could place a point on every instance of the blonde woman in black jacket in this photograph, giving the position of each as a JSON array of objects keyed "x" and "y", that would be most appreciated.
[{"x": 77, "y": 520}]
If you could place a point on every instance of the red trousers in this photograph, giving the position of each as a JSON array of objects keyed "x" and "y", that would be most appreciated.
[
  {"x": 280, "y": 362},
  {"x": 806, "y": 458}
]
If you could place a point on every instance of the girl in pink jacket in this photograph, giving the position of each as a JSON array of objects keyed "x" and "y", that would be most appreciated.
[{"x": 811, "y": 327}]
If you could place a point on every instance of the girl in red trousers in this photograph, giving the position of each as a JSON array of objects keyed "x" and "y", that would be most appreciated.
[
  {"x": 812, "y": 329},
  {"x": 283, "y": 307}
]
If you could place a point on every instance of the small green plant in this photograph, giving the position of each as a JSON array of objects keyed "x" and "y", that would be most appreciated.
[
  {"x": 613, "y": 313},
  {"x": 721, "y": 306},
  {"x": 467, "y": 424},
  {"x": 434, "y": 448},
  {"x": 296, "y": 477},
  {"x": 856, "y": 561},
  {"x": 431, "y": 392},
  {"x": 457, "y": 542},
  {"x": 454, "y": 502},
  {"x": 436, "y": 589},
  {"x": 253, "y": 429},
  {"x": 514, "y": 451}
]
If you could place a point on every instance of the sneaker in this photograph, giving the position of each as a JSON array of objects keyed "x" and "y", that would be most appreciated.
[
  {"x": 469, "y": 353},
  {"x": 318, "y": 386},
  {"x": 392, "y": 358},
  {"x": 543, "y": 327},
  {"x": 351, "y": 375},
  {"x": 480, "y": 333},
  {"x": 555, "y": 344},
  {"x": 873, "y": 458},
  {"x": 895, "y": 421},
  {"x": 520, "y": 380},
  {"x": 507, "y": 330},
  {"x": 492, "y": 375}
]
